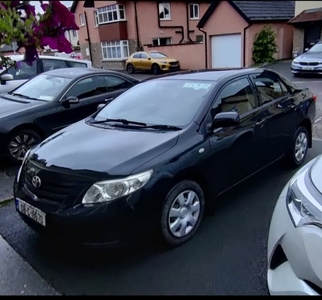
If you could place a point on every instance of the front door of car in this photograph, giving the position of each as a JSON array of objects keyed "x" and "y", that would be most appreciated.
[
  {"x": 280, "y": 108},
  {"x": 145, "y": 62},
  {"x": 91, "y": 92},
  {"x": 238, "y": 151}
]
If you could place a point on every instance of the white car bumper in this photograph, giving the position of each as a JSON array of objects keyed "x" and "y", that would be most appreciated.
[{"x": 294, "y": 255}]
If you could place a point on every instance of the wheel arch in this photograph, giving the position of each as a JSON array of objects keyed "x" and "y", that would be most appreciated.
[{"x": 29, "y": 126}]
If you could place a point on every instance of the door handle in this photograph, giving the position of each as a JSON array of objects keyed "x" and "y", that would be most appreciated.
[
  {"x": 260, "y": 122},
  {"x": 108, "y": 99}
]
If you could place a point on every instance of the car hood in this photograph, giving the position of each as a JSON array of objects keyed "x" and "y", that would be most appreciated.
[
  {"x": 316, "y": 173},
  {"x": 116, "y": 151},
  {"x": 11, "y": 104},
  {"x": 307, "y": 57},
  {"x": 168, "y": 59}
]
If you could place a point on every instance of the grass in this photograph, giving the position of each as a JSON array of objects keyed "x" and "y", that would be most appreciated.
[{"x": 5, "y": 202}]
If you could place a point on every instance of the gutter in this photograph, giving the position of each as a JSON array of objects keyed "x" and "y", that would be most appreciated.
[
  {"x": 138, "y": 44},
  {"x": 188, "y": 29},
  {"x": 88, "y": 37},
  {"x": 244, "y": 45},
  {"x": 173, "y": 27},
  {"x": 206, "y": 46}
]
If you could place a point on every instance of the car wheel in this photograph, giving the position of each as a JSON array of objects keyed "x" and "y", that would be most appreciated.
[
  {"x": 20, "y": 142},
  {"x": 130, "y": 69},
  {"x": 182, "y": 212},
  {"x": 296, "y": 74},
  {"x": 300, "y": 147},
  {"x": 155, "y": 69}
]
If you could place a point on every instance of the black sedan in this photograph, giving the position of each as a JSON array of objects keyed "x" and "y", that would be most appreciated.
[
  {"x": 160, "y": 153},
  {"x": 51, "y": 101}
]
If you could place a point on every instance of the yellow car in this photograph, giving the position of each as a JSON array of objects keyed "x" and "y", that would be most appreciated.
[{"x": 151, "y": 61}]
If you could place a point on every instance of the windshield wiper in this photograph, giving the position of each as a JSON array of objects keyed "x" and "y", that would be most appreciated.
[
  {"x": 123, "y": 121},
  {"x": 163, "y": 127},
  {"x": 23, "y": 96}
]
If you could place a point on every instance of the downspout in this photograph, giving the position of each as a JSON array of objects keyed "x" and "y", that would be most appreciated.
[
  {"x": 206, "y": 46},
  {"x": 173, "y": 27},
  {"x": 244, "y": 46},
  {"x": 88, "y": 37},
  {"x": 188, "y": 26},
  {"x": 138, "y": 43}
]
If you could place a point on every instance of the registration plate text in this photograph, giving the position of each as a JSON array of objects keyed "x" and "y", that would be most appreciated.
[{"x": 31, "y": 212}]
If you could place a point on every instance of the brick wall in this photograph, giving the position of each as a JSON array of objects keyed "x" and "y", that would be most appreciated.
[{"x": 298, "y": 40}]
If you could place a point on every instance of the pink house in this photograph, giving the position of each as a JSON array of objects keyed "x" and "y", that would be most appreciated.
[{"x": 200, "y": 34}]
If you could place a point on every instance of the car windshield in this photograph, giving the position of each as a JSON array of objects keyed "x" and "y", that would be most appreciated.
[
  {"x": 43, "y": 87},
  {"x": 165, "y": 101},
  {"x": 157, "y": 55},
  {"x": 316, "y": 48}
]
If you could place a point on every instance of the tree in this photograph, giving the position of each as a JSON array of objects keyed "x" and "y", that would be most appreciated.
[
  {"x": 19, "y": 23},
  {"x": 264, "y": 47}
]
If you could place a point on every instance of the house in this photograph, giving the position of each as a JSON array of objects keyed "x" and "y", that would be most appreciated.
[
  {"x": 200, "y": 33},
  {"x": 307, "y": 25},
  {"x": 72, "y": 35},
  {"x": 7, "y": 50}
]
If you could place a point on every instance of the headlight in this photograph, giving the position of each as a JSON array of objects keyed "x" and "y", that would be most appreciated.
[
  {"x": 163, "y": 62},
  {"x": 295, "y": 62},
  {"x": 303, "y": 207},
  {"x": 109, "y": 190},
  {"x": 22, "y": 164}
]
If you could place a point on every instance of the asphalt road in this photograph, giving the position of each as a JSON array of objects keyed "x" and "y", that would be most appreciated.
[{"x": 227, "y": 257}]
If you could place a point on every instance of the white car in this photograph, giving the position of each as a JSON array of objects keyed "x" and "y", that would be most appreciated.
[
  {"x": 295, "y": 235},
  {"x": 43, "y": 64}
]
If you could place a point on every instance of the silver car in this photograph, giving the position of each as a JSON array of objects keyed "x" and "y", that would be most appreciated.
[
  {"x": 310, "y": 62},
  {"x": 295, "y": 236}
]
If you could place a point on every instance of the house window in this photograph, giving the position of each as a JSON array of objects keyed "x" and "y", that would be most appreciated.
[
  {"x": 81, "y": 20},
  {"x": 74, "y": 33},
  {"x": 111, "y": 13},
  {"x": 194, "y": 11},
  {"x": 95, "y": 18},
  {"x": 162, "y": 41},
  {"x": 164, "y": 11},
  {"x": 115, "y": 50}
]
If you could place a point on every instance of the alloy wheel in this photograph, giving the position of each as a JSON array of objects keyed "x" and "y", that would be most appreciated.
[
  {"x": 20, "y": 144},
  {"x": 301, "y": 144}
]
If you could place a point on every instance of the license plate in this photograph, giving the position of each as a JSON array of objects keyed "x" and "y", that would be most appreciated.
[
  {"x": 31, "y": 212},
  {"x": 308, "y": 68},
  {"x": 174, "y": 66}
]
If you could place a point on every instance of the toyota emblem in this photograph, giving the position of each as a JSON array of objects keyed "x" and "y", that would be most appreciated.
[{"x": 36, "y": 182}]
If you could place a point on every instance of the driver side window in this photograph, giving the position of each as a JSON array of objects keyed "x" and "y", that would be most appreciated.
[{"x": 237, "y": 96}]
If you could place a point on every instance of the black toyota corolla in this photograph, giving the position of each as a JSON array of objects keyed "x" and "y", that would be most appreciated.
[{"x": 160, "y": 153}]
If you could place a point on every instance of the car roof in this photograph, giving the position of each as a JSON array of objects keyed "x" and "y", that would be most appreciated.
[
  {"x": 79, "y": 72},
  {"x": 209, "y": 74}
]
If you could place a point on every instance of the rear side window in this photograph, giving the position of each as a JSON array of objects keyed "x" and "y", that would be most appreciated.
[
  {"x": 138, "y": 55},
  {"x": 75, "y": 64},
  {"x": 53, "y": 64},
  {"x": 116, "y": 83}
]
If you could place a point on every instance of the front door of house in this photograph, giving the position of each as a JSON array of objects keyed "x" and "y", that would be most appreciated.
[{"x": 312, "y": 35}]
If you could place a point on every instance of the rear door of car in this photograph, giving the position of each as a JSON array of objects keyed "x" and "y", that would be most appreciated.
[{"x": 280, "y": 109}]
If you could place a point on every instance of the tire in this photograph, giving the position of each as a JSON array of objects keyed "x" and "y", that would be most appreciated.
[
  {"x": 298, "y": 153},
  {"x": 296, "y": 74},
  {"x": 19, "y": 142},
  {"x": 130, "y": 69},
  {"x": 155, "y": 69},
  {"x": 175, "y": 237}
]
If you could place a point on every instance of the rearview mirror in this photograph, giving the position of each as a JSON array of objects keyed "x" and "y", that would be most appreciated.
[
  {"x": 71, "y": 100},
  {"x": 226, "y": 119},
  {"x": 5, "y": 78}
]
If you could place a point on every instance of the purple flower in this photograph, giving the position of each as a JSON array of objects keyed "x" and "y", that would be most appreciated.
[
  {"x": 65, "y": 17},
  {"x": 31, "y": 54},
  {"x": 29, "y": 9}
]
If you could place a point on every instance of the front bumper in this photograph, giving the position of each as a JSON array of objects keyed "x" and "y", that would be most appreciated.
[
  {"x": 294, "y": 255},
  {"x": 120, "y": 222},
  {"x": 168, "y": 67},
  {"x": 298, "y": 69}
]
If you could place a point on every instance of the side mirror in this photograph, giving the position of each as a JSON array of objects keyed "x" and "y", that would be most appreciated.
[
  {"x": 149, "y": 58},
  {"x": 5, "y": 78},
  {"x": 306, "y": 49},
  {"x": 70, "y": 100},
  {"x": 226, "y": 119},
  {"x": 100, "y": 106}
]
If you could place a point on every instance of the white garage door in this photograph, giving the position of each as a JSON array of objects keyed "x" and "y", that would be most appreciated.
[{"x": 226, "y": 51}]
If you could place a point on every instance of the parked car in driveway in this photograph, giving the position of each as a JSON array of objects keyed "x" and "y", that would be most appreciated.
[
  {"x": 310, "y": 62},
  {"x": 14, "y": 77},
  {"x": 51, "y": 101},
  {"x": 151, "y": 61},
  {"x": 295, "y": 235},
  {"x": 160, "y": 153}
]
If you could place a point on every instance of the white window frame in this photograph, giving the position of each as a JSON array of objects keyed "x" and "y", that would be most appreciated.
[
  {"x": 119, "y": 49},
  {"x": 193, "y": 5},
  {"x": 158, "y": 39},
  {"x": 81, "y": 19},
  {"x": 162, "y": 6},
  {"x": 106, "y": 14},
  {"x": 95, "y": 18}
]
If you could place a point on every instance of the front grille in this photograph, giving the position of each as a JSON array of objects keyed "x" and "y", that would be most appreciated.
[
  {"x": 309, "y": 63},
  {"x": 55, "y": 186},
  {"x": 173, "y": 63}
]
